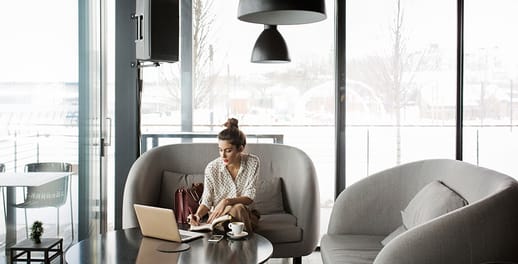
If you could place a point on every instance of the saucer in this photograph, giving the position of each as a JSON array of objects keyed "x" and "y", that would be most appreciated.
[{"x": 243, "y": 234}]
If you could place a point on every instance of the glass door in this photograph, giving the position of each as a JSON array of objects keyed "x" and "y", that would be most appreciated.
[{"x": 92, "y": 80}]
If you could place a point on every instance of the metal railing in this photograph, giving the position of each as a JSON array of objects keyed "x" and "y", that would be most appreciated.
[
  {"x": 18, "y": 150},
  {"x": 149, "y": 141}
]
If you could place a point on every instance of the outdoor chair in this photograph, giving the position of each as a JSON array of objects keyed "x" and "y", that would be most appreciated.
[{"x": 52, "y": 194}]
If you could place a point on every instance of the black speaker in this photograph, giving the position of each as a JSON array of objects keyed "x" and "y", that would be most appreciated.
[{"x": 157, "y": 30}]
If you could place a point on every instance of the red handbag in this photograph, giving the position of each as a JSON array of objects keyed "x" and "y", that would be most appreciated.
[{"x": 187, "y": 201}]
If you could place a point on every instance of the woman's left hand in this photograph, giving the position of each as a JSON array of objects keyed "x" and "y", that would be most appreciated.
[{"x": 219, "y": 210}]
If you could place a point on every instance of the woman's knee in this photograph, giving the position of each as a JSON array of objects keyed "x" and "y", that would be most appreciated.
[{"x": 238, "y": 207}]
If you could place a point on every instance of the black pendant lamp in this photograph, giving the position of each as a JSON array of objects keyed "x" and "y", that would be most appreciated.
[
  {"x": 270, "y": 47},
  {"x": 281, "y": 12}
]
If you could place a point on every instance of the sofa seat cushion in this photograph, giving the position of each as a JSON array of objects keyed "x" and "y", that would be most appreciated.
[
  {"x": 279, "y": 228},
  {"x": 349, "y": 249}
]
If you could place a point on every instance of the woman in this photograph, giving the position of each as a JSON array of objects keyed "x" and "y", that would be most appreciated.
[{"x": 230, "y": 181}]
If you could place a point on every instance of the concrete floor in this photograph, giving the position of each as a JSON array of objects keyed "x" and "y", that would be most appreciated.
[{"x": 313, "y": 258}]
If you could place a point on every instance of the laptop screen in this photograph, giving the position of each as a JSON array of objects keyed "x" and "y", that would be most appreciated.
[{"x": 161, "y": 223}]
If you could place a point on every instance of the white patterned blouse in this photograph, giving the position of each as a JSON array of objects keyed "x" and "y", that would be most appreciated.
[{"x": 218, "y": 183}]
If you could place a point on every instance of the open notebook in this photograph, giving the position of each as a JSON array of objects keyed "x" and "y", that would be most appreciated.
[{"x": 160, "y": 223}]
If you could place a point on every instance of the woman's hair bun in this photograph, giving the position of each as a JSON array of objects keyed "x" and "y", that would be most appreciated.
[
  {"x": 231, "y": 123},
  {"x": 232, "y": 133}
]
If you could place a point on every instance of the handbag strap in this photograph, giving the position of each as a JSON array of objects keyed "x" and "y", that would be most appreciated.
[
  {"x": 191, "y": 191},
  {"x": 194, "y": 194},
  {"x": 186, "y": 181}
]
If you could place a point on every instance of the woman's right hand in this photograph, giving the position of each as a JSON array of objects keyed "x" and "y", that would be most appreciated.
[{"x": 193, "y": 219}]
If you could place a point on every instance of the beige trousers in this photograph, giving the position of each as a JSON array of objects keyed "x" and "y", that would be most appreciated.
[{"x": 241, "y": 213}]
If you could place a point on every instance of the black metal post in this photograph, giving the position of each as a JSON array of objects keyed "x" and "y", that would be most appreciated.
[
  {"x": 460, "y": 81},
  {"x": 340, "y": 96}
]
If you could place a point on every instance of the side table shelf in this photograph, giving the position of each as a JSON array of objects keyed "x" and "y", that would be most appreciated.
[{"x": 51, "y": 248}]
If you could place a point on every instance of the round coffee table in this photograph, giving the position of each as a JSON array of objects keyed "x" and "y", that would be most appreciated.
[{"x": 129, "y": 246}]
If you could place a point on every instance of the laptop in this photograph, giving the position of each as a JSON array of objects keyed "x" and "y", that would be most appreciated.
[{"x": 161, "y": 223}]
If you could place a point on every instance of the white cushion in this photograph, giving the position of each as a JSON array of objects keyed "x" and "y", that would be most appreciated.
[{"x": 435, "y": 199}]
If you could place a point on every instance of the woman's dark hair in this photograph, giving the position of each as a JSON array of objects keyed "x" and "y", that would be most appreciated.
[{"x": 232, "y": 133}]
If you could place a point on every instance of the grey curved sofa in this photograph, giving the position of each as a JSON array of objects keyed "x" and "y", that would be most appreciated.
[
  {"x": 293, "y": 229},
  {"x": 483, "y": 231}
]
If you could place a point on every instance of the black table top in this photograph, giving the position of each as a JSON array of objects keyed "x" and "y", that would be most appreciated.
[
  {"x": 46, "y": 243},
  {"x": 128, "y": 246}
]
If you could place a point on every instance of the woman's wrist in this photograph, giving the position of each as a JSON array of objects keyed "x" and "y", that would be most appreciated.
[{"x": 227, "y": 201}]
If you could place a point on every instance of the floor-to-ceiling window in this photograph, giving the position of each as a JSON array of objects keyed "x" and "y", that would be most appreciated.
[
  {"x": 491, "y": 85},
  {"x": 51, "y": 81},
  {"x": 400, "y": 83},
  {"x": 39, "y": 97},
  {"x": 292, "y": 100}
]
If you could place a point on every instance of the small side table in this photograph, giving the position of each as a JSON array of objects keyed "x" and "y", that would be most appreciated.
[{"x": 22, "y": 251}]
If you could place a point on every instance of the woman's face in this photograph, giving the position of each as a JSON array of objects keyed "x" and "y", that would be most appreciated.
[{"x": 228, "y": 152}]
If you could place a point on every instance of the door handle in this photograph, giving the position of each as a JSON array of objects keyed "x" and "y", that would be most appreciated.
[{"x": 140, "y": 19}]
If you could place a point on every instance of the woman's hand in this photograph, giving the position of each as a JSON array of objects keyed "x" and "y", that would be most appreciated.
[
  {"x": 218, "y": 211},
  {"x": 193, "y": 219}
]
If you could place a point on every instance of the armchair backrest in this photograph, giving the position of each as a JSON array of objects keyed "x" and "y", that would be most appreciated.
[
  {"x": 481, "y": 232},
  {"x": 396, "y": 186},
  {"x": 144, "y": 182},
  {"x": 470, "y": 181}
]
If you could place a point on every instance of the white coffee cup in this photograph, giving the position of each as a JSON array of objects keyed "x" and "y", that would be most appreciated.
[{"x": 236, "y": 227}]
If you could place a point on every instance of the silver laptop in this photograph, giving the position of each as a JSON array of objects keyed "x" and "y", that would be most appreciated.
[{"x": 161, "y": 223}]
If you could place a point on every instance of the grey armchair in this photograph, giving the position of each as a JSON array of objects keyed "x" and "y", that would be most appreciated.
[
  {"x": 484, "y": 230},
  {"x": 292, "y": 229}
]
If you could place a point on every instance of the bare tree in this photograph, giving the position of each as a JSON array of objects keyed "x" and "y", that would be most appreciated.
[
  {"x": 393, "y": 74},
  {"x": 202, "y": 53}
]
